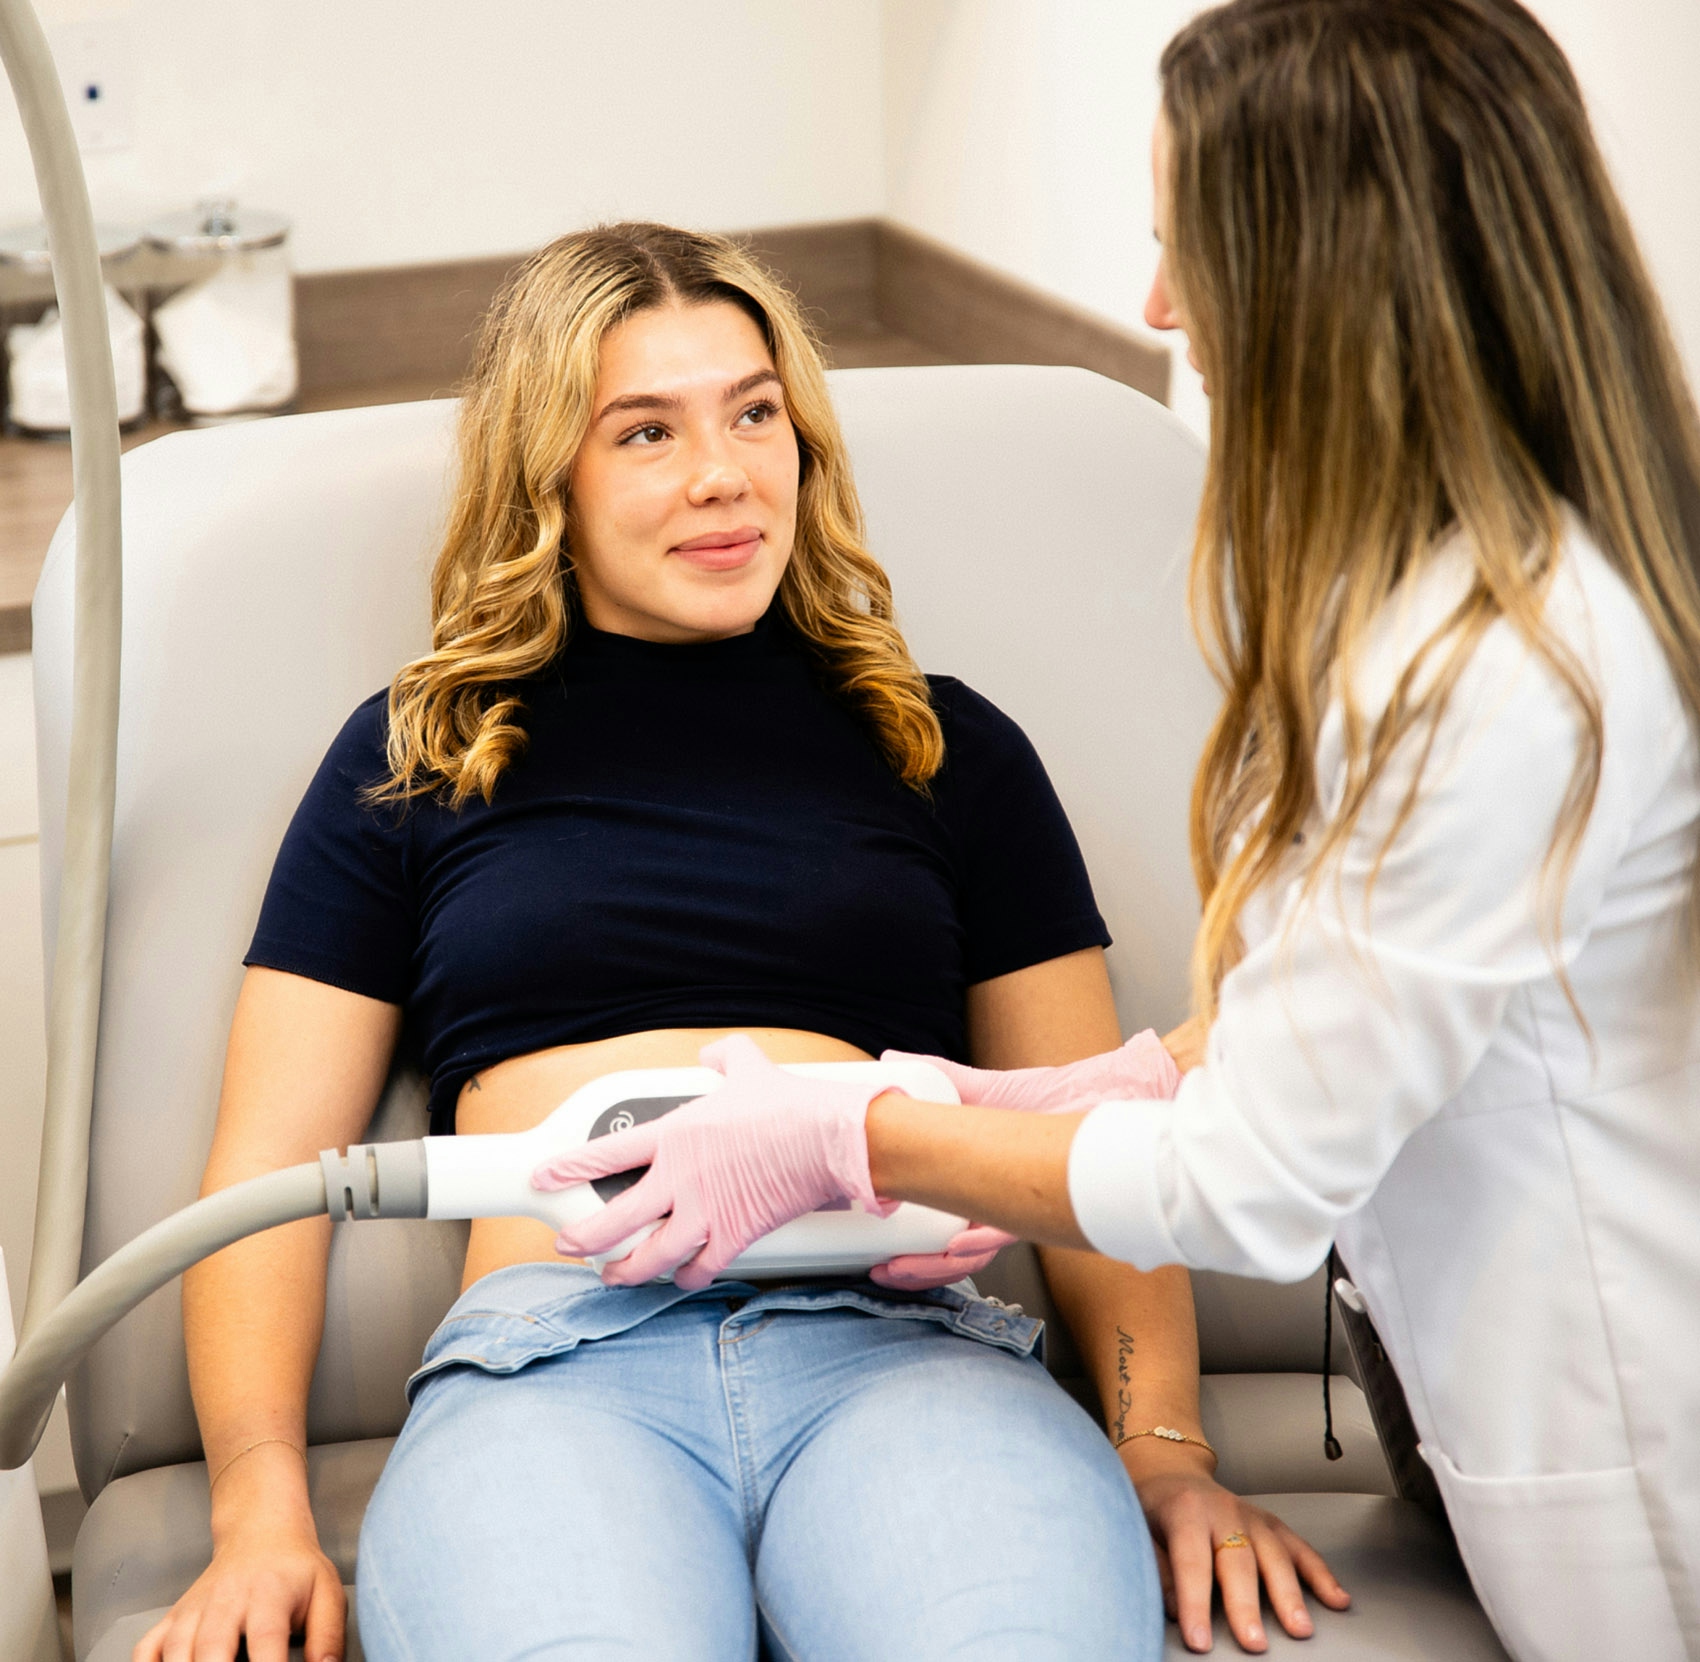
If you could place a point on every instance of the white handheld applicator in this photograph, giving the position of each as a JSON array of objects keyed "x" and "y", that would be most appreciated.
[{"x": 490, "y": 1176}]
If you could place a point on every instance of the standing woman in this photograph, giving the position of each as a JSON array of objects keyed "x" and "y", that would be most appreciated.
[{"x": 1445, "y": 826}]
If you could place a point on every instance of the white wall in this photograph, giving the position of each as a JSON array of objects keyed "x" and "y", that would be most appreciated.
[
  {"x": 1018, "y": 130},
  {"x": 402, "y": 130},
  {"x": 1639, "y": 64},
  {"x": 394, "y": 131}
]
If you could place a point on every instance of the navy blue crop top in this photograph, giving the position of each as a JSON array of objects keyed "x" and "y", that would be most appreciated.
[{"x": 694, "y": 836}]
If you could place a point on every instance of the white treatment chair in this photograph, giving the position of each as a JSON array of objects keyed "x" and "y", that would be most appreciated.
[{"x": 1035, "y": 522}]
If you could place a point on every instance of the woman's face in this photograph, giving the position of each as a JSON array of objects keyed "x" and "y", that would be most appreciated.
[
  {"x": 684, "y": 493},
  {"x": 1161, "y": 311}
]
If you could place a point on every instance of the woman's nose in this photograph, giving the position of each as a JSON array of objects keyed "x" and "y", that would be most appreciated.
[
  {"x": 717, "y": 479},
  {"x": 1159, "y": 308}
]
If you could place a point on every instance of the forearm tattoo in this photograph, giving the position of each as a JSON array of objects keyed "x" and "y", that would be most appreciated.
[{"x": 1124, "y": 1383}]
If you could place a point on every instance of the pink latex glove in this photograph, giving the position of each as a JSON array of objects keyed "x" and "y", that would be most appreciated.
[
  {"x": 968, "y": 1253},
  {"x": 764, "y": 1148},
  {"x": 1141, "y": 1070}
]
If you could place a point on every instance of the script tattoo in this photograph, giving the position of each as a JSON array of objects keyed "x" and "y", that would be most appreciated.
[{"x": 1124, "y": 1382}]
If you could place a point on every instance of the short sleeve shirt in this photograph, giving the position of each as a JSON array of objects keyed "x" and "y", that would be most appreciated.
[{"x": 693, "y": 836}]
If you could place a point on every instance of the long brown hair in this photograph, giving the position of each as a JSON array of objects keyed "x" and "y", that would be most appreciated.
[
  {"x": 503, "y": 595},
  {"x": 1421, "y": 309}
]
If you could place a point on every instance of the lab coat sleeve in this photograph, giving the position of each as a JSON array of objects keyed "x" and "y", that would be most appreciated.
[{"x": 1364, "y": 1009}]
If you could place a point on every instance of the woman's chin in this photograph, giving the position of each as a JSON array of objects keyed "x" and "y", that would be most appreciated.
[
  {"x": 688, "y": 605},
  {"x": 726, "y": 604}
]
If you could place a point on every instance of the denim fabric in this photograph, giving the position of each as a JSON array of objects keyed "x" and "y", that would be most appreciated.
[{"x": 839, "y": 1471}]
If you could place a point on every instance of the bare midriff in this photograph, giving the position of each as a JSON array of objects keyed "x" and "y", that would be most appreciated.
[{"x": 516, "y": 1094}]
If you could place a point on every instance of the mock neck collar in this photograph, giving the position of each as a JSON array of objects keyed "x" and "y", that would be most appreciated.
[{"x": 598, "y": 654}]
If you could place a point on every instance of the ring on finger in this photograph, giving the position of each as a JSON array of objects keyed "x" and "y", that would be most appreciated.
[{"x": 1234, "y": 1540}]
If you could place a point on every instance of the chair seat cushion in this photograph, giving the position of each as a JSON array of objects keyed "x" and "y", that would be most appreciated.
[
  {"x": 1267, "y": 1428},
  {"x": 1411, "y": 1599},
  {"x": 116, "y": 1644}
]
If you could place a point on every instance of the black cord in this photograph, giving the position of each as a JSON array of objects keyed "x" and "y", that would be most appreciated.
[{"x": 1330, "y": 1443}]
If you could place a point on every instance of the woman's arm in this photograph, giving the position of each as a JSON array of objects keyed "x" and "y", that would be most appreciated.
[
  {"x": 1139, "y": 1340},
  {"x": 1003, "y": 1168},
  {"x": 303, "y": 1072},
  {"x": 1007, "y": 1170},
  {"x": 1059, "y": 1012}
]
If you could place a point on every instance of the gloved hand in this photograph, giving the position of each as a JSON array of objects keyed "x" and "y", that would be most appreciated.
[
  {"x": 764, "y": 1148},
  {"x": 967, "y": 1254},
  {"x": 1141, "y": 1070}
]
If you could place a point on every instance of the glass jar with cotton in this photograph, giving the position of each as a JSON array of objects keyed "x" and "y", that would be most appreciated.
[
  {"x": 225, "y": 339},
  {"x": 37, "y": 396}
]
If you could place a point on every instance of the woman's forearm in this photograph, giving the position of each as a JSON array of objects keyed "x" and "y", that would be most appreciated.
[
  {"x": 990, "y": 1164},
  {"x": 253, "y": 1315},
  {"x": 303, "y": 1070},
  {"x": 1137, "y": 1338}
]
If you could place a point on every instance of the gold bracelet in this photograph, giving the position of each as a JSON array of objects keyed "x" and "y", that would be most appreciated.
[
  {"x": 249, "y": 1450},
  {"x": 1170, "y": 1435}
]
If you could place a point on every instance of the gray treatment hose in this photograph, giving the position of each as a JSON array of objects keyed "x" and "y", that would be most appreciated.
[
  {"x": 73, "y": 1019},
  {"x": 375, "y": 1180},
  {"x": 51, "y": 1349}
]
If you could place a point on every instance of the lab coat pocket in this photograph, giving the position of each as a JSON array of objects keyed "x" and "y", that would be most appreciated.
[{"x": 1564, "y": 1565}]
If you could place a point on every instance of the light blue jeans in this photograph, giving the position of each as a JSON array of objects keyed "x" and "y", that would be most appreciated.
[{"x": 837, "y": 1472}]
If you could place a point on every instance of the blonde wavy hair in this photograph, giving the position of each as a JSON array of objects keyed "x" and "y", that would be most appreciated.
[
  {"x": 503, "y": 595},
  {"x": 1421, "y": 310}
]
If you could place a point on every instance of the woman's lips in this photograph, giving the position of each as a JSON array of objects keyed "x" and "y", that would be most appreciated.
[{"x": 721, "y": 550}]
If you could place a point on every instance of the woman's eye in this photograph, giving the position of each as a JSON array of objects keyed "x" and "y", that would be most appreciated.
[
  {"x": 652, "y": 432},
  {"x": 757, "y": 413}
]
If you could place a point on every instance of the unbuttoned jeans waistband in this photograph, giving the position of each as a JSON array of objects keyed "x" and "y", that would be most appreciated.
[{"x": 523, "y": 1313}]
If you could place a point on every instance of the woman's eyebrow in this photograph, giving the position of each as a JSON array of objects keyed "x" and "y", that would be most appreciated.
[
  {"x": 750, "y": 383},
  {"x": 671, "y": 401},
  {"x": 639, "y": 401}
]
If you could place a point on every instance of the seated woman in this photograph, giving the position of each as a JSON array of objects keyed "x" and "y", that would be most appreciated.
[{"x": 669, "y": 772}]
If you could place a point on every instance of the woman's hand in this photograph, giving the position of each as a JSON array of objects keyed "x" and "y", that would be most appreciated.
[
  {"x": 267, "y": 1580},
  {"x": 1140, "y": 1070},
  {"x": 1191, "y": 1515},
  {"x": 1187, "y": 1043}
]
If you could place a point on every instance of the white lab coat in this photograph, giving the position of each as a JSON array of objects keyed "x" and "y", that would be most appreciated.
[{"x": 1517, "y": 1197}]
